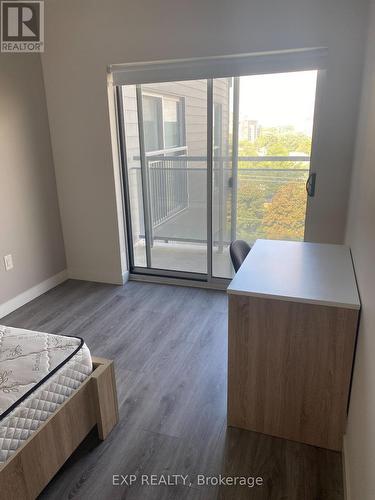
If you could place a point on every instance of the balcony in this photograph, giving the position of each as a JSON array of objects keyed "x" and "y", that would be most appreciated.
[{"x": 252, "y": 197}]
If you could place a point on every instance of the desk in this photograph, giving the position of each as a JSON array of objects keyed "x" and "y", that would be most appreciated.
[{"x": 293, "y": 317}]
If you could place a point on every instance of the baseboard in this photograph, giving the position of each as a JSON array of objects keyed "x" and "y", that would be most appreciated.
[
  {"x": 32, "y": 293},
  {"x": 345, "y": 467}
]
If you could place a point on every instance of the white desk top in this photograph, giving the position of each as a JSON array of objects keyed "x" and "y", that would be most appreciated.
[{"x": 300, "y": 272}]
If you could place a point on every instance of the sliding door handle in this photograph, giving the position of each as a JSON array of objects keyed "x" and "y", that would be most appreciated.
[{"x": 310, "y": 184}]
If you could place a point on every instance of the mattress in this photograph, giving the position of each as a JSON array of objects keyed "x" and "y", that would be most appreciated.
[{"x": 38, "y": 372}]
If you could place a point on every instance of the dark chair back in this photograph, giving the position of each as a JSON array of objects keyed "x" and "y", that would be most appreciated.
[{"x": 238, "y": 250}]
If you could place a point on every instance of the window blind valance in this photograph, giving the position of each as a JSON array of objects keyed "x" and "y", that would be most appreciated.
[{"x": 218, "y": 67}]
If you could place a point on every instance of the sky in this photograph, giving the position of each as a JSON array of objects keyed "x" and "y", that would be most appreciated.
[{"x": 279, "y": 99}]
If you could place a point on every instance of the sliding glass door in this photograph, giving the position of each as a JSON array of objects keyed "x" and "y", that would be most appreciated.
[
  {"x": 261, "y": 159},
  {"x": 165, "y": 128},
  {"x": 208, "y": 161}
]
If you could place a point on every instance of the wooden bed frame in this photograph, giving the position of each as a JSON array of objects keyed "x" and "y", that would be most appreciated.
[{"x": 24, "y": 475}]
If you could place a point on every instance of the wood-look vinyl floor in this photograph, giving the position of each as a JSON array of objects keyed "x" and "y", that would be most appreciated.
[{"x": 170, "y": 350}]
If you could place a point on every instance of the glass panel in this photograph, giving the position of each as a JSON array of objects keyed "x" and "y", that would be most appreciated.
[
  {"x": 274, "y": 130},
  {"x": 275, "y": 120},
  {"x": 134, "y": 173},
  {"x": 172, "y": 135},
  {"x": 178, "y": 180},
  {"x": 258, "y": 190},
  {"x": 152, "y": 123},
  {"x": 222, "y": 176}
]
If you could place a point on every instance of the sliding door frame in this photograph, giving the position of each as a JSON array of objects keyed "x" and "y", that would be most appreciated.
[
  {"x": 209, "y": 171},
  {"x": 207, "y": 69},
  {"x": 120, "y": 119},
  {"x": 137, "y": 271},
  {"x": 145, "y": 177},
  {"x": 235, "y": 134}
]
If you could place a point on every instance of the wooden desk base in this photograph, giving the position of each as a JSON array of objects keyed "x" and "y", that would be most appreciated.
[{"x": 289, "y": 368}]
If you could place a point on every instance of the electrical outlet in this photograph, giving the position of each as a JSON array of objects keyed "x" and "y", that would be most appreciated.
[{"x": 8, "y": 262}]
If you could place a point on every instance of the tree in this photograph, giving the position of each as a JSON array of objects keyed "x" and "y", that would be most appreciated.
[
  {"x": 250, "y": 208},
  {"x": 275, "y": 142},
  {"x": 247, "y": 148},
  {"x": 286, "y": 137},
  {"x": 263, "y": 212},
  {"x": 285, "y": 215}
]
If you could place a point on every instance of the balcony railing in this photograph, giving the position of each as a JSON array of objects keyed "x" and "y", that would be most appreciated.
[
  {"x": 169, "y": 193},
  {"x": 249, "y": 201}
]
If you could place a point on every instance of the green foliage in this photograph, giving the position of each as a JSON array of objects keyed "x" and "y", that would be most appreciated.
[
  {"x": 247, "y": 148},
  {"x": 250, "y": 208},
  {"x": 284, "y": 217},
  {"x": 272, "y": 204},
  {"x": 285, "y": 137}
]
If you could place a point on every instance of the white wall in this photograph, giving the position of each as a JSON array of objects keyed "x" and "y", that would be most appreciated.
[
  {"x": 360, "y": 438},
  {"x": 30, "y": 226},
  {"x": 84, "y": 36}
]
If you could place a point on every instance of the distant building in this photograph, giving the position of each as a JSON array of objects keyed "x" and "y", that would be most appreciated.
[{"x": 249, "y": 130}]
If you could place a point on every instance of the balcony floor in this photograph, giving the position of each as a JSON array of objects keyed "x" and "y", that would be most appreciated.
[
  {"x": 185, "y": 257},
  {"x": 167, "y": 253}
]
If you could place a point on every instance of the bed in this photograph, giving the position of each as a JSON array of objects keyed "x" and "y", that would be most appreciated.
[{"x": 52, "y": 394}]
